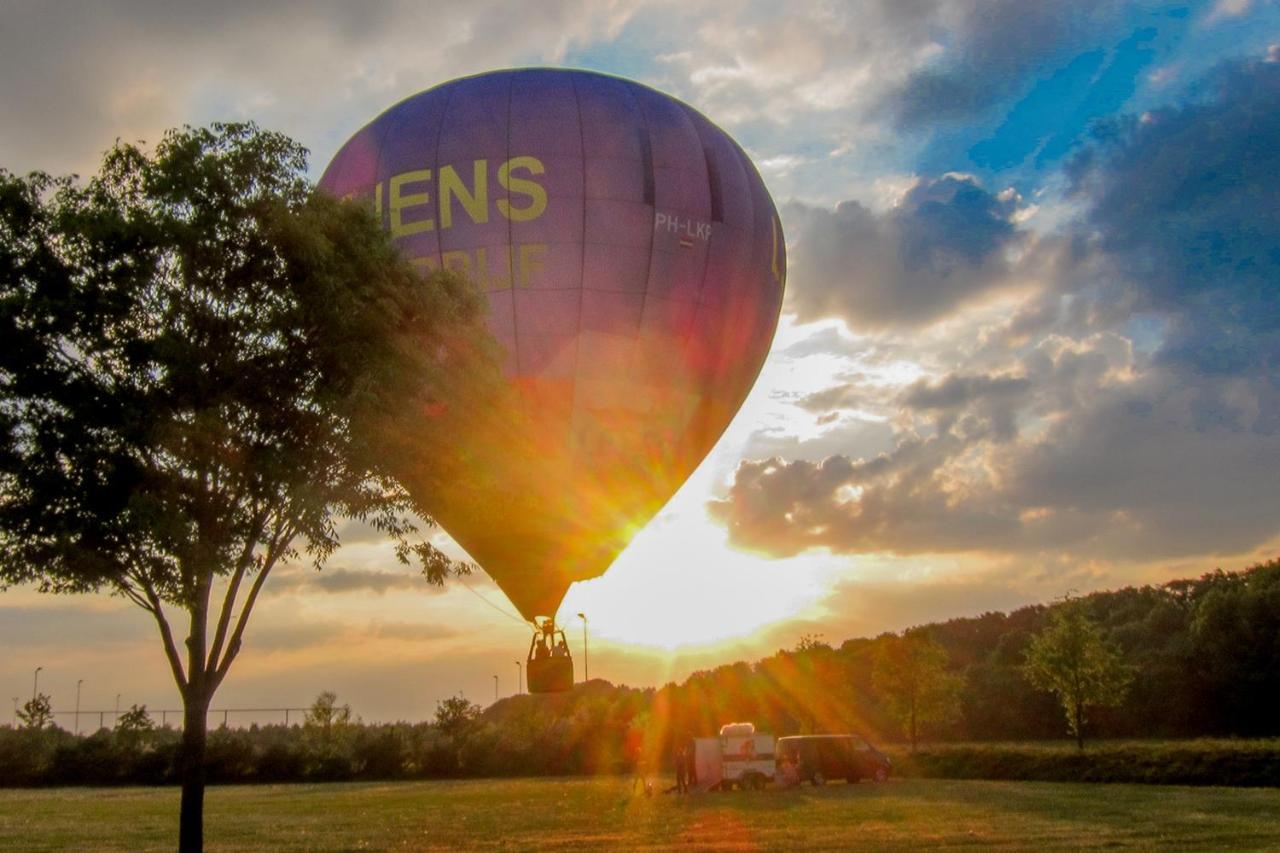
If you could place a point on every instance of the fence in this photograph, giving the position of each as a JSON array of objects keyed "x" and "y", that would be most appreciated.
[{"x": 162, "y": 715}]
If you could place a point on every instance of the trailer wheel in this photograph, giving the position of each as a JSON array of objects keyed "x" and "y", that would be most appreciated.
[
  {"x": 882, "y": 775},
  {"x": 818, "y": 779}
]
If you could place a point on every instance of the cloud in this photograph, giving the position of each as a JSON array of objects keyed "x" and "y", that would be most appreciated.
[
  {"x": 365, "y": 580},
  {"x": 293, "y": 636},
  {"x": 745, "y": 63},
  {"x": 942, "y": 246},
  {"x": 992, "y": 48},
  {"x": 302, "y": 579},
  {"x": 1181, "y": 208},
  {"x": 1127, "y": 411},
  {"x": 92, "y": 72},
  {"x": 1076, "y": 451},
  {"x": 45, "y": 625}
]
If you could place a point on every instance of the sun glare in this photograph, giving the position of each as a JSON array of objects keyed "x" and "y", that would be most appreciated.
[{"x": 679, "y": 584}]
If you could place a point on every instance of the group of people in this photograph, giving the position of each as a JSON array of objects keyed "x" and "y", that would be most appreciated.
[{"x": 543, "y": 649}]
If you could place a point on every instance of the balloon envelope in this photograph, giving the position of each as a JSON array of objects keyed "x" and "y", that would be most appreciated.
[{"x": 634, "y": 267}]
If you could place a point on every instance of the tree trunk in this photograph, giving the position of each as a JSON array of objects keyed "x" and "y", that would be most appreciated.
[
  {"x": 192, "y": 774},
  {"x": 1079, "y": 728}
]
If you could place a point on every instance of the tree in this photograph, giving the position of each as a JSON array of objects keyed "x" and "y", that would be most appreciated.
[
  {"x": 455, "y": 715},
  {"x": 327, "y": 727},
  {"x": 135, "y": 727},
  {"x": 456, "y": 720},
  {"x": 36, "y": 712},
  {"x": 1071, "y": 659},
  {"x": 911, "y": 672},
  {"x": 325, "y": 714},
  {"x": 206, "y": 364}
]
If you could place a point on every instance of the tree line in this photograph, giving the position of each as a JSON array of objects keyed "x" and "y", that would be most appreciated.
[{"x": 1192, "y": 658}]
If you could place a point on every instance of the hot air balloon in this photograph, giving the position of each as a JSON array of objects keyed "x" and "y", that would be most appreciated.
[{"x": 634, "y": 267}]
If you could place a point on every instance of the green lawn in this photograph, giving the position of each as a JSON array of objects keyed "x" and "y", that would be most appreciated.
[{"x": 595, "y": 814}]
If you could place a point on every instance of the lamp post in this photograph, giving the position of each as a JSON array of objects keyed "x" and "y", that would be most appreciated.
[
  {"x": 78, "y": 683},
  {"x": 117, "y": 708},
  {"x": 519, "y": 678},
  {"x": 15, "y": 712},
  {"x": 586, "y": 656},
  {"x": 495, "y": 688},
  {"x": 35, "y": 684}
]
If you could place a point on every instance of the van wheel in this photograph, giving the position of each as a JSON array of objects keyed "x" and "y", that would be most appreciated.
[
  {"x": 818, "y": 780},
  {"x": 882, "y": 775}
]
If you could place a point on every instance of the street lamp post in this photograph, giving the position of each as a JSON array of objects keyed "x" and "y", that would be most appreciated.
[
  {"x": 117, "y": 708},
  {"x": 495, "y": 688},
  {"x": 35, "y": 684},
  {"x": 15, "y": 712},
  {"x": 519, "y": 678},
  {"x": 586, "y": 656},
  {"x": 78, "y": 683}
]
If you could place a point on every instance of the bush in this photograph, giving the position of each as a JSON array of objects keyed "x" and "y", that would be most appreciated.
[{"x": 1197, "y": 762}]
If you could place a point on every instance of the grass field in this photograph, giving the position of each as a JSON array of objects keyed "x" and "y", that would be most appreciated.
[{"x": 594, "y": 814}]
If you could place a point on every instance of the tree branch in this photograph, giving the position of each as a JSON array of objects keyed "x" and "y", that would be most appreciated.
[
  {"x": 233, "y": 588},
  {"x": 280, "y": 540},
  {"x": 170, "y": 648},
  {"x": 126, "y": 589}
]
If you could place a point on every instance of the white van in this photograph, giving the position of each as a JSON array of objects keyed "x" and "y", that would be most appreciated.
[{"x": 739, "y": 757}]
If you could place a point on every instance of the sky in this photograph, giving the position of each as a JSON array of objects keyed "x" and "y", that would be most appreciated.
[{"x": 1027, "y": 346}]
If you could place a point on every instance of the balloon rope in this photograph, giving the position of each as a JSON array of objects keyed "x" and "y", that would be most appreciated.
[{"x": 490, "y": 603}]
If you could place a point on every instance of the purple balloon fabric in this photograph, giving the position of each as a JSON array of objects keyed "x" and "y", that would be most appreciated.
[{"x": 634, "y": 265}]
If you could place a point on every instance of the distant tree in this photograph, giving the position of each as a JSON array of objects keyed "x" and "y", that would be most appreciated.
[
  {"x": 456, "y": 720},
  {"x": 455, "y": 715},
  {"x": 325, "y": 713},
  {"x": 327, "y": 725},
  {"x": 1071, "y": 659},
  {"x": 204, "y": 364},
  {"x": 135, "y": 727},
  {"x": 37, "y": 712},
  {"x": 136, "y": 720},
  {"x": 911, "y": 672}
]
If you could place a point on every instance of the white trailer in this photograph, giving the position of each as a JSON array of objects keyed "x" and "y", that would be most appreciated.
[{"x": 739, "y": 757}]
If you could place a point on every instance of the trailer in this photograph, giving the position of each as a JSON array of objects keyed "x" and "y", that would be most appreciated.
[{"x": 739, "y": 758}]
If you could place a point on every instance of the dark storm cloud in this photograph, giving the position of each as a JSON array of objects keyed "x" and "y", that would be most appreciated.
[
  {"x": 992, "y": 47},
  {"x": 942, "y": 246},
  {"x": 1183, "y": 205}
]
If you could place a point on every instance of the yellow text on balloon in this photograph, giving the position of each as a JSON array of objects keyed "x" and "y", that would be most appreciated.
[
  {"x": 409, "y": 195},
  {"x": 491, "y": 268}
]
